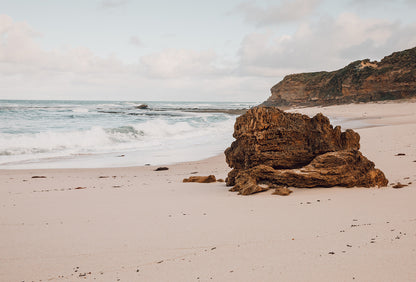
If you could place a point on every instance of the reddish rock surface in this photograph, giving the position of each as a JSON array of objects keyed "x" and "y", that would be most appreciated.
[{"x": 274, "y": 149}]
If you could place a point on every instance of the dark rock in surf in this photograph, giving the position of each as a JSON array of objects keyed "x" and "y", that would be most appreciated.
[{"x": 142, "y": 107}]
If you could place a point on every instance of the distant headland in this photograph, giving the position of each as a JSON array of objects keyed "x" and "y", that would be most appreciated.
[{"x": 394, "y": 77}]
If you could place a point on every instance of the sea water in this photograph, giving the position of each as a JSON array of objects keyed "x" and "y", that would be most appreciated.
[{"x": 86, "y": 134}]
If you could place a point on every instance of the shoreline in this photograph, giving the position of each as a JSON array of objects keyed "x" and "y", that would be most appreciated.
[
  {"x": 137, "y": 224},
  {"x": 82, "y": 134},
  {"x": 345, "y": 119},
  {"x": 311, "y": 111}
]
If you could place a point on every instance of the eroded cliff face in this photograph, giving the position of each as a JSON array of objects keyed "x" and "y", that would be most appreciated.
[
  {"x": 275, "y": 149},
  {"x": 394, "y": 77}
]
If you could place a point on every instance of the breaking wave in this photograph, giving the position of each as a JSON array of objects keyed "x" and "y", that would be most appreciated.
[{"x": 150, "y": 134}]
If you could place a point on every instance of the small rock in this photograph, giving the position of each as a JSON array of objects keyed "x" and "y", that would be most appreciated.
[
  {"x": 220, "y": 180},
  {"x": 201, "y": 179},
  {"x": 399, "y": 185},
  {"x": 103, "y": 176},
  {"x": 161, "y": 168},
  {"x": 38, "y": 176},
  {"x": 400, "y": 154},
  {"x": 331, "y": 253},
  {"x": 282, "y": 191},
  {"x": 78, "y": 188}
]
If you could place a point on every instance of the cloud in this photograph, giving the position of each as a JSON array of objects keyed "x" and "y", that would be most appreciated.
[
  {"x": 287, "y": 11},
  {"x": 136, "y": 41},
  {"x": 327, "y": 44},
  {"x": 20, "y": 52},
  {"x": 110, "y": 4},
  {"x": 365, "y": 2},
  {"x": 17, "y": 41},
  {"x": 27, "y": 71},
  {"x": 174, "y": 63}
]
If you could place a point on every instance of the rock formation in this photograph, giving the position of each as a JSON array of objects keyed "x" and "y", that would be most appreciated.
[
  {"x": 394, "y": 77},
  {"x": 274, "y": 149}
]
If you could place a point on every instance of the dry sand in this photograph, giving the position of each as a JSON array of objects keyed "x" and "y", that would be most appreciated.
[{"x": 141, "y": 225}]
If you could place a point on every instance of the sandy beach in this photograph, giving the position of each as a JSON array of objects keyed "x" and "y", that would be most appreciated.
[{"x": 137, "y": 224}]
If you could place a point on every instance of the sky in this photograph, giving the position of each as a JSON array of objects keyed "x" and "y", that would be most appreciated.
[{"x": 187, "y": 50}]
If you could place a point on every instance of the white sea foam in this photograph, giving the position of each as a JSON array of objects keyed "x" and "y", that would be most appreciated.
[
  {"x": 80, "y": 110},
  {"x": 170, "y": 133}
]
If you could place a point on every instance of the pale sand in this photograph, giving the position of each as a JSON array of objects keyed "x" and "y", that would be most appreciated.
[{"x": 144, "y": 225}]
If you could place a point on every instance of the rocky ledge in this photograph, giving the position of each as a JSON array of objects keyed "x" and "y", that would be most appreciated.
[
  {"x": 394, "y": 77},
  {"x": 275, "y": 149}
]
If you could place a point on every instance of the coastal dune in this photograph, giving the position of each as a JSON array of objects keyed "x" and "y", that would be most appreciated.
[{"x": 138, "y": 224}]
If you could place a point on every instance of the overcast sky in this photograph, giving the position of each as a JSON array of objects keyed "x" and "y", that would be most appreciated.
[{"x": 187, "y": 50}]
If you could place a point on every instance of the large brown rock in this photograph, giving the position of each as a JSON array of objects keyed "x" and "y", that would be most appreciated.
[
  {"x": 274, "y": 148},
  {"x": 394, "y": 77}
]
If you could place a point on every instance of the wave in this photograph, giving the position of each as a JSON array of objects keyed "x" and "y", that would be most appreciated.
[
  {"x": 149, "y": 134},
  {"x": 80, "y": 110},
  {"x": 38, "y": 131}
]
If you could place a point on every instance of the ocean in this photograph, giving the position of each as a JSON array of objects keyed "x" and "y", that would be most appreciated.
[{"x": 91, "y": 134}]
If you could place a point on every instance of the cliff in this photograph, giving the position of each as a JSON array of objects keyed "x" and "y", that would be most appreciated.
[{"x": 394, "y": 77}]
